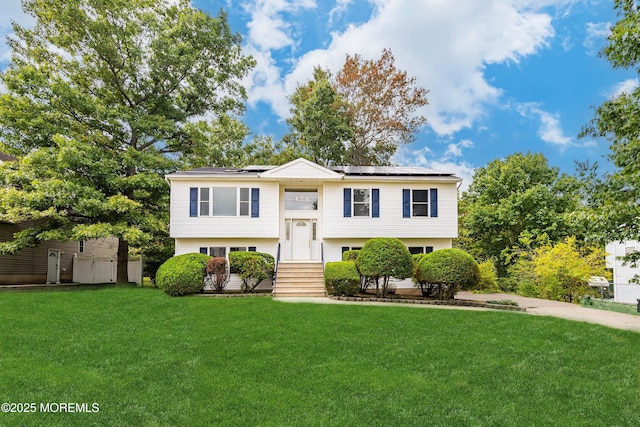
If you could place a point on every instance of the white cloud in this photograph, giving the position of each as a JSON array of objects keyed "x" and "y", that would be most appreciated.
[
  {"x": 339, "y": 9},
  {"x": 267, "y": 28},
  {"x": 626, "y": 86},
  {"x": 445, "y": 45},
  {"x": 550, "y": 129},
  {"x": 595, "y": 33},
  {"x": 455, "y": 150},
  {"x": 406, "y": 155}
]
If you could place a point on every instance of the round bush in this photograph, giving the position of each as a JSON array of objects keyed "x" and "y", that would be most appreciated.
[
  {"x": 341, "y": 278},
  {"x": 182, "y": 274},
  {"x": 385, "y": 257},
  {"x": 451, "y": 269}
]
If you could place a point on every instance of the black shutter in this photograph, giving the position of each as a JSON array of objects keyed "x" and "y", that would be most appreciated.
[
  {"x": 193, "y": 201},
  {"x": 347, "y": 202}
]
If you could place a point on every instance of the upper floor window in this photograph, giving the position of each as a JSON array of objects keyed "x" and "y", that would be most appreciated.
[
  {"x": 362, "y": 202},
  {"x": 300, "y": 200},
  {"x": 224, "y": 201},
  {"x": 420, "y": 203}
]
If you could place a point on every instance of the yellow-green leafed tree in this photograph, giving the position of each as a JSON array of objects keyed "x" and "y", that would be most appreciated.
[{"x": 562, "y": 271}]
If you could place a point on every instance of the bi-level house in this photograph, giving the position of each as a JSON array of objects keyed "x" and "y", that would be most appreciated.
[{"x": 305, "y": 214}]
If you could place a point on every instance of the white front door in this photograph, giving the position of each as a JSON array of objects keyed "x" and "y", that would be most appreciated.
[{"x": 301, "y": 239}]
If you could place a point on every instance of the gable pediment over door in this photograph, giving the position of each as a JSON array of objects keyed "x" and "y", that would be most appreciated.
[{"x": 301, "y": 169}]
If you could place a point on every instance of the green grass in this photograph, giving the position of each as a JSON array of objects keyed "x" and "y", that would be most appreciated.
[
  {"x": 610, "y": 306},
  {"x": 151, "y": 360}
]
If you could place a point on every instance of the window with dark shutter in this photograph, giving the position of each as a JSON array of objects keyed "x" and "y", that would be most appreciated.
[
  {"x": 193, "y": 201},
  {"x": 347, "y": 202},
  {"x": 255, "y": 202},
  {"x": 375, "y": 203}
]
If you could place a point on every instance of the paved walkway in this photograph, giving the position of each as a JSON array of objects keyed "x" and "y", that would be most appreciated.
[{"x": 534, "y": 306}]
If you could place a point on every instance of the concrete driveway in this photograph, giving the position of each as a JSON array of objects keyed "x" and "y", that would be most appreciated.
[
  {"x": 563, "y": 310},
  {"x": 534, "y": 306}
]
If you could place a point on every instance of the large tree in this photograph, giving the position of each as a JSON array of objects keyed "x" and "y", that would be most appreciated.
[
  {"x": 617, "y": 197},
  {"x": 319, "y": 123},
  {"x": 382, "y": 107},
  {"x": 511, "y": 198},
  {"x": 103, "y": 97}
]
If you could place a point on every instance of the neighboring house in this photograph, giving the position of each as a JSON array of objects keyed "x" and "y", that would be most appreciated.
[
  {"x": 51, "y": 261},
  {"x": 303, "y": 212},
  {"x": 624, "y": 289}
]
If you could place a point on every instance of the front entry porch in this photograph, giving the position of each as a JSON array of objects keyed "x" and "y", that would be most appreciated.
[
  {"x": 301, "y": 240},
  {"x": 299, "y": 279}
]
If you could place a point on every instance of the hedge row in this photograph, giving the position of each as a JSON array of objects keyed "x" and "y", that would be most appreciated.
[
  {"x": 440, "y": 274},
  {"x": 185, "y": 274}
]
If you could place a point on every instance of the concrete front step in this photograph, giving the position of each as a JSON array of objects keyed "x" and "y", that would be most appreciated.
[
  {"x": 299, "y": 279},
  {"x": 299, "y": 293}
]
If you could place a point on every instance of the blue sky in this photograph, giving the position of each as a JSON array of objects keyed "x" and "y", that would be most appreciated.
[{"x": 503, "y": 75}]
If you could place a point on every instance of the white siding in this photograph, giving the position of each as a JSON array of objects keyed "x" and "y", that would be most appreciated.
[
  {"x": 186, "y": 246},
  {"x": 182, "y": 225},
  {"x": 622, "y": 274},
  {"x": 391, "y": 223}
]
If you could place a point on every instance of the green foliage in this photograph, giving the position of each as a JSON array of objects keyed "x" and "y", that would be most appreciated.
[
  {"x": 351, "y": 255},
  {"x": 614, "y": 198},
  {"x": 182, "y": 274},
  {"x": 101, "y": 100},
  {"x": 383, "y": 258},
  {"x": 520, "y": 195},
  {"x": 557, "y": 271},
  {"x": 341, "y": 278},
  {"x": 488, "y": 278},
  {"x": 562, "y": 272},
  {"x": 319, "y": 124},
  {"x": 448, "y": 270},
  {"x": 252, "y": 267}
]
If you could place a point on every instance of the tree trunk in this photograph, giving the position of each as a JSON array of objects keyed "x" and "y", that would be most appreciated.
[{"x": 122, "y": 275}]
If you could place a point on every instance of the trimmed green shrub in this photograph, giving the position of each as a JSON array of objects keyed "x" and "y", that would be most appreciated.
[
  {"x": 383, "y": 258},
  {"x": 350, "y": 255},
  {"x": 252, "y": 267},
  {"x": 443, "y": 273},
  {"x": 341, "y": 278},
  {"x": 182, "y": 274}
]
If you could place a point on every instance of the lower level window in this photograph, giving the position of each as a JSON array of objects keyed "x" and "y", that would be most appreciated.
[
  {"x": 214, "y": 251},
  {"x": 420, "y": 249},
  {"x": 221, "y": 251}
]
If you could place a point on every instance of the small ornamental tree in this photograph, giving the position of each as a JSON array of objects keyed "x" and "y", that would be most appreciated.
[
  {"x": 182, "y": 274},
  {"x": 383, "y": 258},
  {"x": 341, "y": 278},
  {"x": 352, "y": 255},
  {"x": 217, "y": 274},
  {"x": 252, "y": 267},
  {"x": 445, "y": 272}
]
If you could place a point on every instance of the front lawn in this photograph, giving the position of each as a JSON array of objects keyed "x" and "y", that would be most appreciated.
[{"x": 149, "y": 359}]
